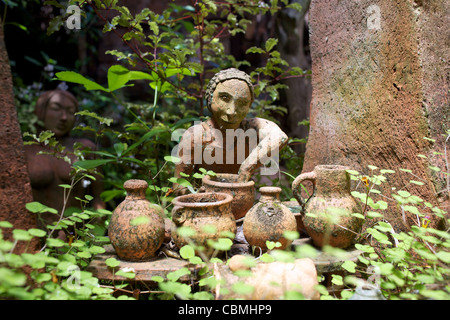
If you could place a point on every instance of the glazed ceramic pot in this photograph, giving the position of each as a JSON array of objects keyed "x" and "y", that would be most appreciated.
[
  {"x": 243, "y": 193},
  {"x": 200, "y": 210},
  {"x": 136, "y": 229},
  {"x": 327, "y": 213},
  {"x": 268, "y": 219}
]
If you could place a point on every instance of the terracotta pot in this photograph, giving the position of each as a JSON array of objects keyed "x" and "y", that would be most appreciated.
[
  {"x": 327, "y": 213},
  {"x": 136, "y": 229},
  {"x": 243, "y": 192},
  {"x": 199, "y": 210},
  {"x": 268, "y": 219}
]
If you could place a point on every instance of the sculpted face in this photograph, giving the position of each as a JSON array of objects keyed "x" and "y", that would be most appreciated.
[
  {"x": 60, "y": 115},
  {"x": 230, "y": 103}
]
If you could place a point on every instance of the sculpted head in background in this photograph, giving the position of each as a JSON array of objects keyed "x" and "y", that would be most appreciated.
[
  {"x": 228, "y": 99},
  {"x": 56, "y": 109}
]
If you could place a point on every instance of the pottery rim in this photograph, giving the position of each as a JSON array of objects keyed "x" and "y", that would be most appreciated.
[
  {"x": 210, "y": 181},
  {"x": 178, "y": 201}
]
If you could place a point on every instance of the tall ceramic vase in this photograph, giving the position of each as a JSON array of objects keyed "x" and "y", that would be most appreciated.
[
  {"x": 136, "y": 229},
  {"x": 327, "y": 213}
]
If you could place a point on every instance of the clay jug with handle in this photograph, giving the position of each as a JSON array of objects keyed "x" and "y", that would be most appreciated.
[{"x": 327, "y": 213}]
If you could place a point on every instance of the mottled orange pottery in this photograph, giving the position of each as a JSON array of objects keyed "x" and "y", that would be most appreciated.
[
  {"x": 327, "y": 214},
  {"x": 200, "y": 212},
  {"x": 268, "y": 219},
  {"x": 136, "y": 229},
  {"x": 243, "y": 193}
]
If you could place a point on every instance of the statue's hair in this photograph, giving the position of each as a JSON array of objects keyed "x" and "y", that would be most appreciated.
[
  {"x": 43, "y": 100},
  {"x": 224, "y": 75}
]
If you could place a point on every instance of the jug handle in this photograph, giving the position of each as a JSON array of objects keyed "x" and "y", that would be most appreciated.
[
  {"x": 177, "y": 216},
  {"x": 311, "y": 176}
]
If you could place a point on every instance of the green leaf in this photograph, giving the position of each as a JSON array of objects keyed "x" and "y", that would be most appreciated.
[
  {"x": 21, "y": 235},
  {"x": 37, "y": 207},
  {"x": 211, "y": 229},
  {"x": 125, "y": 273},
  {"x": 185, "y": 232},
  {"x": 118, "y": 76},
  {"x": 374, "y": 214},
  {"x": 37, "y": 232},
  {"x": 187, "y": 252},
  {"x": 404, "y": 194},
  {"x": 182, "y": 290},
  {"x": 265, "y": 257},
  {"x": 96, "y": 250},
  {"x": 5, "y": 224},
  {"x": 118, "y": 148},
  {"x": 337, "y": 280},
  {"x": 270, "y": 43},
  {"x": 254, "y": 50},
  {"x": 84, "y": 254},
  {"x": 365, "y": 248},
  {"x": 172, "y": 159},
  {"x": 242, "y": 288},
  {"x": 349, "y": 266},
  {"x": 271, "y": 244},
  {"x": 175, "y": 275},
  {"x": 157, "y": 279},
  {"x": 353, "y": 172},
  {"x": 140, "y": 220},
  {"x": 291, "y": 235},
  {"x": 112, "y": 262},
  {"x": 382, "y": 171},
  {"x": 443, "y": 256},
  {"x": 11, "y": 278},
  {"x": 51, "y": 242},
  {"x": 73, "y": 77},
  {"x": 419, "y": 183},
  {"x": 102, "y": 120},
  {"x": 43, "y": 277},
  {"x": 412, "y": 209},
  {"x": 90, "y": 164},
  {"x": 223, "y": 244}
]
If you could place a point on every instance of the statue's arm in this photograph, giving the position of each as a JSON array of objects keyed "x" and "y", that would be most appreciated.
[{"x": 271, "y": 140}]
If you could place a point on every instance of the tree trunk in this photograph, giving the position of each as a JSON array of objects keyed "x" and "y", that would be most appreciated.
[
  {"x": 380, "y": 84},
  {"x": 15, "y": 188}
]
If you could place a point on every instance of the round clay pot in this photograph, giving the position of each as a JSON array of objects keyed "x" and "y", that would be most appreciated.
[
  {"x": 268, "y": 219},
  {"x": 199, "y": 210},
  {"x": 327, "y": 214},
  {"x": 243, "y": 193},
  {"x": 136, "y": 229}
]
